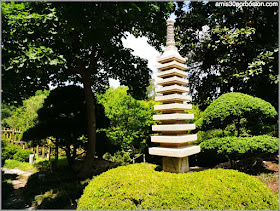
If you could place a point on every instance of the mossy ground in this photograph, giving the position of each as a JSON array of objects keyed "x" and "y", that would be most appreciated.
[{"x": 139, "y": 186}]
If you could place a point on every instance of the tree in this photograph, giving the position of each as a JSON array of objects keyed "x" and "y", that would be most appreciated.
[
  {"x": 62, "y": 117},
  {"x": 238, "y": 50},
  {"x": 239, "y": 109},
  {"x": 130, "y": 119},
  {"x": 79, "y": 43},
  {"x": 25, "y": 116}
]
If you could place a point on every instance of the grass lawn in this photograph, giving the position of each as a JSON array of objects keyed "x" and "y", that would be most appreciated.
[{"x": 20, "y": 165}]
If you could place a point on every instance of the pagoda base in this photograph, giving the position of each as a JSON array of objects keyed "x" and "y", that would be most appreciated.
[{"x": 175, "y": 165}]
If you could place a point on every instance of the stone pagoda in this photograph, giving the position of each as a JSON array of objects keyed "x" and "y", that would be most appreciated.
[{"x": 173, "y": 138}]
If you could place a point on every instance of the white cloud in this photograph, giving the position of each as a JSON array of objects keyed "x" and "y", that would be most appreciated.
[{"x": 142, "y": 49}]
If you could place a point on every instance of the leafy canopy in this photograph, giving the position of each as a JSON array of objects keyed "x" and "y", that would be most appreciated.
[
  {"x": 25, "y": 116},
  {"x": 229, "y": 49},
  {"x": 59, "y": 42},
  {"x": 130, "y": 119}
]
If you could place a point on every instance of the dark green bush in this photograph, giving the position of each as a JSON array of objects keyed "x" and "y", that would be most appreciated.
[
  {"x": 140, "y": 187},
  {"x": 244, "y": 111},
  {"x": 22, "y": 155},
  {"x": 234, "y": 148}
]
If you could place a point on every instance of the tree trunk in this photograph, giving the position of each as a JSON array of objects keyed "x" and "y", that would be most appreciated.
[
  {"x": 68, "y": 155},
  {"x": 56, "y": 152},
  {"x": 91, "y": 119}
]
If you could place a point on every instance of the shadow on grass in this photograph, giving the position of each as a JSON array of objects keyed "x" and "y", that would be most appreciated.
[{"x": 51, "y": 188}]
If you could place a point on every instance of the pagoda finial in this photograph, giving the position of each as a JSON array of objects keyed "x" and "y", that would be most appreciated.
[{"x": 170, "y": 41}]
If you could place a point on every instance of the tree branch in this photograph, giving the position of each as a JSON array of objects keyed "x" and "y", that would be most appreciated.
[
  {"x": 93, "y": 60},
  {"x": 74, "y": 69},
  {"x": 75, "y": 38}
]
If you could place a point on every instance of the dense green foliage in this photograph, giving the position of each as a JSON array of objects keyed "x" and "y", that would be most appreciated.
[
  {"x": 130, "y": 119},
  {"x": 25, "y": 116},
  {"x": 77, "y": 42},
  {"x": 12, "y": 151},
  {"x": 140, "y": 187},
  {"x": 241, "y": 110},
  {"x": 120, "y": 157},
  {"x": 236, "y": 148},
  {"x": 22, "y": 155},
  {"x": 62, "y": 117},
  {"x": 229, "y": 49}
]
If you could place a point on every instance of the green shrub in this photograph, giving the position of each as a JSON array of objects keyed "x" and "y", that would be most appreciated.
[
  {"x": 120, "y": 157},
  {"x": 9, "y": 151},
  {"x": 140, "y": 187},
  {"x": 22, "y": 155},
  {"x": 244, "y": 111},
  {"x": 234, "y": 148}
]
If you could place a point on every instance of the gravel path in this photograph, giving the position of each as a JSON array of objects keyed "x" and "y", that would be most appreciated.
[{"x": 16, "y": 198}]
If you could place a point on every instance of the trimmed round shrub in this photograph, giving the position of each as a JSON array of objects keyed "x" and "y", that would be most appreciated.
[
  {"x": 242, "y": 110},
  {"x": 22, "y": 155},
  {"x": 140, "y": 187}
]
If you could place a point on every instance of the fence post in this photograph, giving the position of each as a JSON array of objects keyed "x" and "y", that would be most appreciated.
[
  {"x": 37, "y": 151},
  {"x": 43, "y": 152},
  {"x": 50, "y": 150},
  {"x": 144, "y": 160}
]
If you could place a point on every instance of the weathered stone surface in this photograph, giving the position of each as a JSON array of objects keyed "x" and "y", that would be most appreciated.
[
  {"x": 172, "y": 98},
  {"x": 172, "y": 72},
  {"x": 174, "y": 140},
  {"x": 172, "y": 80},
  {"x": 170, "y": 65},
  {"x": 177, "y": 152},
  {"x": 175, "y": 165},
  {"x": 173, "y": 127},
  {"x": 172, "y": 107},
  {"x": 179, "y": 139},
  {"x": 176, "y": 116},
  {"x": 172, "y": 89}
]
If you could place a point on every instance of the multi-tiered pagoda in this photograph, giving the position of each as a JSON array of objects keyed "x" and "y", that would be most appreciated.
[{"x": 175, "y": 142}]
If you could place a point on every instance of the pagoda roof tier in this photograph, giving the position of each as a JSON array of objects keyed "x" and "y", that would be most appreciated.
[
  {"x": 173, "y": 127},
  {"x": 172, "y": 72},
  {"x": 169, "y": 117},
  {"x": 171, "y": 54},
  {"x": 178, "y": 152},
  {"x": 172, "y": 80},
  {"x": 179, "y": 139},
  {"x": 172, "y": 98},
  {"x": 172, "y": 107},
  {"x": 171, "y": 89},
  {"x": 170, "y": 65}
]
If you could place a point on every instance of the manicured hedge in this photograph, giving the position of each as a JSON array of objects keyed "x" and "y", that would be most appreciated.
[
  {"x": 140, "y": 187},
  {"x": 242, "y": 147}
]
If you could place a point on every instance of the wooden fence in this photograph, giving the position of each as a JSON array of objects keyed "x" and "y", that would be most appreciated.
[{"x": 14, "y": 138}]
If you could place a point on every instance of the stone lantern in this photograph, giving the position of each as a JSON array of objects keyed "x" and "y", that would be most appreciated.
[{"x": 175, "y": 142}]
